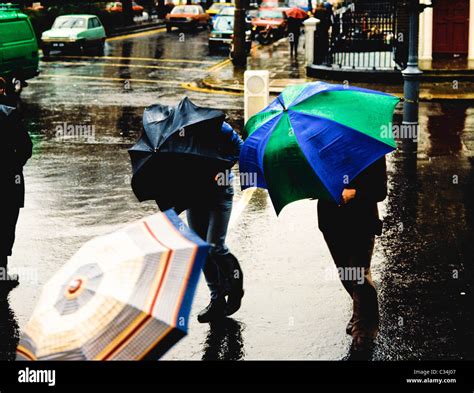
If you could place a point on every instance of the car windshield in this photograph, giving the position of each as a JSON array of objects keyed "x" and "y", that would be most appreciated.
[
  {"x": 227, "y": 11},
  {"x": 69, "y": 23},
  {"x": 298, "y": 3},
  {"x": 217, "y": 6},
  {"x": 185, "y": 9},
  {"x": 270, "y": 14},
  {"x": 269, "y": 4},
  {"x": 224, "y": 24}
]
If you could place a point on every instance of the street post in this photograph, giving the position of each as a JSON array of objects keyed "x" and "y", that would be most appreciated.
[
  {"x": 239, "y": 53},
  {"x": 411, "y": 86}
]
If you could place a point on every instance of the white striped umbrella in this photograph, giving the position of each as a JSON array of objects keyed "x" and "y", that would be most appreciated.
[{"x": 123, "y": 296}]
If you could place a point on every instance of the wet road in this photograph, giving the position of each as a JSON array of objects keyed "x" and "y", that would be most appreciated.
[{"x": 294, "y": 308}]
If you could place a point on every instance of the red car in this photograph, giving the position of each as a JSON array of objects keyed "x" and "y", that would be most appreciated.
[
  {"x": 271, "y": 4},
  {"x": 116, "y": 6},
  {"x": 269, "y": 24},
  {"x": 191, "y": 16}
]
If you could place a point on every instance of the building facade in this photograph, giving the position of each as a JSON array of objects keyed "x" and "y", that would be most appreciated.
[{"x": 447, "y": 30}]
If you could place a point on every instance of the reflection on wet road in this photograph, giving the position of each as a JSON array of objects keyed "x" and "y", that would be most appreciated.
[{"x": 294, "y": 306}]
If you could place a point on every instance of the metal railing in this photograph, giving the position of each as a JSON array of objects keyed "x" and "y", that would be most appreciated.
[{"x": 358, "y": 39}]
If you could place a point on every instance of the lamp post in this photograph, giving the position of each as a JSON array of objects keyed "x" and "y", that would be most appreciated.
[
  {"x": 411, "y": 86},
  {"x": 239, "y": 54}
]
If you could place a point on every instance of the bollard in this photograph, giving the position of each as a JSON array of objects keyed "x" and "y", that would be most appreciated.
[
  {"x": 309, "y": 30},
  {"x": 256, "y": 92}
]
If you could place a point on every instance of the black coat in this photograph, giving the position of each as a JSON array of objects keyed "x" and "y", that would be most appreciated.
[
  {"x": 15, "y": 150},
  {"x": 360, "y": 215}
]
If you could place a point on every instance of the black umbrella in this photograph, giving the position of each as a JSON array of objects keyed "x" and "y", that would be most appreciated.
[{"x": 180, "y": 152}]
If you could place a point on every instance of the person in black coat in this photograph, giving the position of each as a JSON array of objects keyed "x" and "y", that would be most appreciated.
[
  {"x": 16, "y": 149},
  {"x": 294, "y": 31},
  {"x": 349, "y": 230}
]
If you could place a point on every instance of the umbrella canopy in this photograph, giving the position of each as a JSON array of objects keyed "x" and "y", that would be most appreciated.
[
  {"x": 296, "y": 13},
  {"x": 315, "y": 138},
  {"x": 123, "y": 296},
  {"x": 181, "y": 149}
]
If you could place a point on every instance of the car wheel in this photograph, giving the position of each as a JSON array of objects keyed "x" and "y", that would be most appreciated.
[
  {"x": 14, "y": 86},
  {"x": 81, "y": 48},
  {"x": 101, "y": 48},
  {"x": 168, "y": 28}
]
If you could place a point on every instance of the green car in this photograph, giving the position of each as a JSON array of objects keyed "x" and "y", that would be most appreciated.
[
  {"x": 222, "y": 34},
  {"x": 74, "y": 32},
  {"x": 18, "y": 48}
]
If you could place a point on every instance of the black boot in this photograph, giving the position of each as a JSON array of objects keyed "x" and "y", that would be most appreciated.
[
  {"x": 214, "y": 311},
  {"x": 234, "y": 278}
]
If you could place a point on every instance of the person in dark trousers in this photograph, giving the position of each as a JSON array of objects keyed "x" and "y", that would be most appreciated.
[
  {"x": 349, "y": 231},
  {"x": 294, "y": 31},
  {"x": 209, "y": 218},
  {"x": 16, "y": 149},
  {"x": 322, "y": 34}
]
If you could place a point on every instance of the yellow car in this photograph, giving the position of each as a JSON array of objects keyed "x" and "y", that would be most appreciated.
[{"x": 215, "y": 8}]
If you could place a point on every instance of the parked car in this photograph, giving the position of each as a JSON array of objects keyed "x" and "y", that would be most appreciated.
[
  {"x": 216, "y": 8},
  {"x": 18, "y": 48},
  {"x": 303, "y": 4},
  {"x": 75, "y": 32},
  {"x": 270, "y": 24},
  {"x": 116, "y": 6},
  {"x": 191, "y": 16},
  {"x": 228, "y": 10},
  {"x": 222, "y": 34},
  {"x": 272, "y": 4}
]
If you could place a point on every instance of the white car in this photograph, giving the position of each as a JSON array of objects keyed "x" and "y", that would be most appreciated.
[{"x": 78, "y": 32}]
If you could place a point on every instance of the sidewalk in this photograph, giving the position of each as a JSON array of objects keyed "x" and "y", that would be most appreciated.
[
  {"x": 285, "y": 71},
  {"x": 138, "y": 27}
]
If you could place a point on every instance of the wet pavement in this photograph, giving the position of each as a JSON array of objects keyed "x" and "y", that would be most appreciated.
[{"x": 293, "y": 308}]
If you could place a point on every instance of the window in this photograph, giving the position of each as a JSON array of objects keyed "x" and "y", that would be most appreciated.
[
  {"x": 69, "y": 23},
  {"x": 93, "y": 23},
  {"x": 224, "y": 24},
  {"x": 15, "y": 31}
]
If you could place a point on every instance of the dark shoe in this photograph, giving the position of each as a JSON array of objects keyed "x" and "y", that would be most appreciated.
[
  {"x": 363, "y": 335},
  {"x": 214, "y": 311},
  {"x": 235, "y": 290},
  {"x": 362, "y": 343},
  {"x": 234, "y": 301}
]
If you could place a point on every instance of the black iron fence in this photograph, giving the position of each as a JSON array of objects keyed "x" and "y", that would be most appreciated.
[{"x": 357, "y": 37}]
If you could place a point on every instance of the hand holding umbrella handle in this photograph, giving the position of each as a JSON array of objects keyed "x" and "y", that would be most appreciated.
[{"x": 348, "y": 194}]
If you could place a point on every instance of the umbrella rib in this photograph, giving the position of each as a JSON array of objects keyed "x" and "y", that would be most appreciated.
[{"x": 339, "y": 124}]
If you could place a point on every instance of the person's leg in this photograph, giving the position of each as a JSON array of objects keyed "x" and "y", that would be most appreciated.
[
  {"x": 198, "y": 221},
  {"x": 366, "y": 311},
  {"x": 230, "y": 272},
  {"x": 292, "y": 43},
  {"x": 10, "y": 219},
  {"x": 339, "y": 249},
  {"x": 296, "y": 43}
]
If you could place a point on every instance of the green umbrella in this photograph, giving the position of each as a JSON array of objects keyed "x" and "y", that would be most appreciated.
[{"x": 315, "y": 138}]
